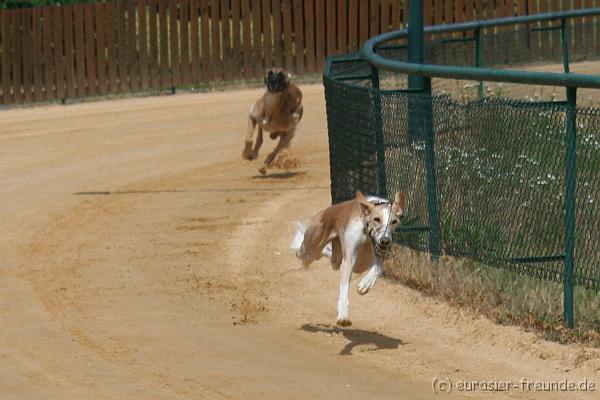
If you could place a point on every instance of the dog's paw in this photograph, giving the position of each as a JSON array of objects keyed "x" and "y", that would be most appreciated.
[
  {"x": 344, "y": 322},
  {"x": 363, "y": 287},
  {"x": 262, "y": 170},
  {"x": 247, "y": 153}
]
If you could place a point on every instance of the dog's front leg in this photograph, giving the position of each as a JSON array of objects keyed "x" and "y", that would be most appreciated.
[
  {"x": 247, "y": 152},
  {"x": 258, "y": 144},
  {"x": 343, "y": 302},
  {"x": 369, "y": 279}
]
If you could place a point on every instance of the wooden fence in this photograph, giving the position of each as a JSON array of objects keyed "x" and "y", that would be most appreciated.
[{"x": 95, "y": 49}]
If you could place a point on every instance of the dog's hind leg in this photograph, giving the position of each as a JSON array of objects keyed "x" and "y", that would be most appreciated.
[
  {"x": 336, "y": 254},
  {"x": 284, "y": 141},
  {"x": 247, "y": 153}
]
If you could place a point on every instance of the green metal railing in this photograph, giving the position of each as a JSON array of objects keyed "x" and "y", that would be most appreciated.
[{"x": 369, "y": 167}]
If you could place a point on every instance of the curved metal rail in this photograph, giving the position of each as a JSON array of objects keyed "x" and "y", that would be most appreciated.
[{"x": 369, "y": 51}]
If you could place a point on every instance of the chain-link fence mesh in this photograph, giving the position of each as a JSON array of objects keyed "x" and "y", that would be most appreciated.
[{"x": 500, "y": 162}]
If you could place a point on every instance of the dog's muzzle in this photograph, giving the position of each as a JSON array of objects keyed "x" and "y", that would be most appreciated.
[
  {"x": 274, "y": 85},
  {"x": 382, "y": 246}
]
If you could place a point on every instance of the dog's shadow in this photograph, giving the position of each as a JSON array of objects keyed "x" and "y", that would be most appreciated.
[
  {"x": 356, "y": 337},
  {"x": 280, "y": 175}
]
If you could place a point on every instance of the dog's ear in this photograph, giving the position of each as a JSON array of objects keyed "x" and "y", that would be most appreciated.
[
  {"x": 398, "y": 206},
  {"x": 288, "y": 77},
  {"x": 365, "y": 206}
]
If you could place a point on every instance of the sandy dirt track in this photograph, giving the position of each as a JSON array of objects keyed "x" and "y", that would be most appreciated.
[{"x": 141, "y": 258}]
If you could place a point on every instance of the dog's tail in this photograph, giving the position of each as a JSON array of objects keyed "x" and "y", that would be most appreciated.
[
  {"x": 296, "y": 244},
  {"x": 298, "y": 236}
]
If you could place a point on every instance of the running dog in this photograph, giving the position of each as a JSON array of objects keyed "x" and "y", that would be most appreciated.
[
  {"x": 355, "y": 235},
  {"x": 278, "y": 111}
]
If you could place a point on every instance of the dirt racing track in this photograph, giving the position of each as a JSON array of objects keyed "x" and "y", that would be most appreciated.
[{"x": 141, "y": 258}]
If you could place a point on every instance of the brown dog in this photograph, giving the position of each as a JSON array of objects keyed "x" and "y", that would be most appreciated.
[
  {"x": 278, "y": 111},
  {"x": 356, "y": 235}
]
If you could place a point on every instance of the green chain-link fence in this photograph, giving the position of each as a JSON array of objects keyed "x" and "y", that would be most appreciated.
[{"x": 499, "y": 164}]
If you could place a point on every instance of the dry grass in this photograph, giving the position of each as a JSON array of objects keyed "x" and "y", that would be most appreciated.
[{"x": 503, "y": 296}]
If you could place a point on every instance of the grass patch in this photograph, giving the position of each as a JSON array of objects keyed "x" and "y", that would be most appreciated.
[{"x": 506, "y": 297}]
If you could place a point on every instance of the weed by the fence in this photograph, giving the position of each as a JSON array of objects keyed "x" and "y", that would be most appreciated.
[{"x": 501, "y": 295}]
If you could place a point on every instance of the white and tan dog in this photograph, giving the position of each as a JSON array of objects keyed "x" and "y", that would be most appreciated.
[{"x": 355, "y": 235}]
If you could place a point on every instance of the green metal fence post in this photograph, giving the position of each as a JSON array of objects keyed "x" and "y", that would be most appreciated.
[
  {"x": 415, "y": 55},
  {"x": 564, "y": 38},
  {"x": 379, "y": 137},
  {"x": 432, "y": 199},
  {"x": 570, "y": 205},
  {"x": 415, "y": 40},
  {"x": 479, "y": 59}
]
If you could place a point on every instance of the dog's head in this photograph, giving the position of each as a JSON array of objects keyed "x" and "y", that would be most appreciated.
[
  {"x": 381, "y": 218},
  {"x": 277, "y": 79}
]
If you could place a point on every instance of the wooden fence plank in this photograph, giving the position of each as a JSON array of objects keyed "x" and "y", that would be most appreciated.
[
  {"x": 205, "y": 41},
  {"x": 449, "y": 12},
  {"x": 225, "y": 17},
  {"x": 184, "y": 7},
  {"x": 79, "y": 37},
  {"x": 578, "y": 36},
  {"x": 266, "y": 33},
  {"x": 277, "y": 33},
  {"x": 309, "y": 35},
  {"x": 320, "y": 23},
  {"x": 384, "y": 16},
  {"x": 26, "y": 15},
  {"x": 589, "y": 32},
  {"x": 257, "y": 56},
  {"x": 100, "y": 21},
  {"x": 111, "y": 49},
  {"x": 37, "y": 54},
  {"x": 17, "y": 56},
  {"x": 428, "y": 12},
  {"x": 286, "y": 11},
  {"x": 5, "y": 19},
  {"x": 215, "y": 39},
  {"x": 470, "y": 5},
  {"x": 153, "y": 61},
  {"x": 88, "y": 11},
  {"x": 330, "y": 9},
  {"x": 363, "y": 24},
  {"x": 142, "y": 6},
  {"x": 299, "y": 35},
  {"x": 458, "y": 11},
  {"x": 69, "y": 49},
  {"x": 342, "y": 26},
  {"x": 122, "y": 47},
  {"x": 533, "y": 42},
  {"x": 195, "y": 42},
  {"x": 396, "y": 16},
  {"x": 247, "y": 38},
  {"x": 374, "y": 18},
  {"x": 47, "y": 36},
  {"x": 165, "y": 74},
  {"x": 134, "y": 71}
]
